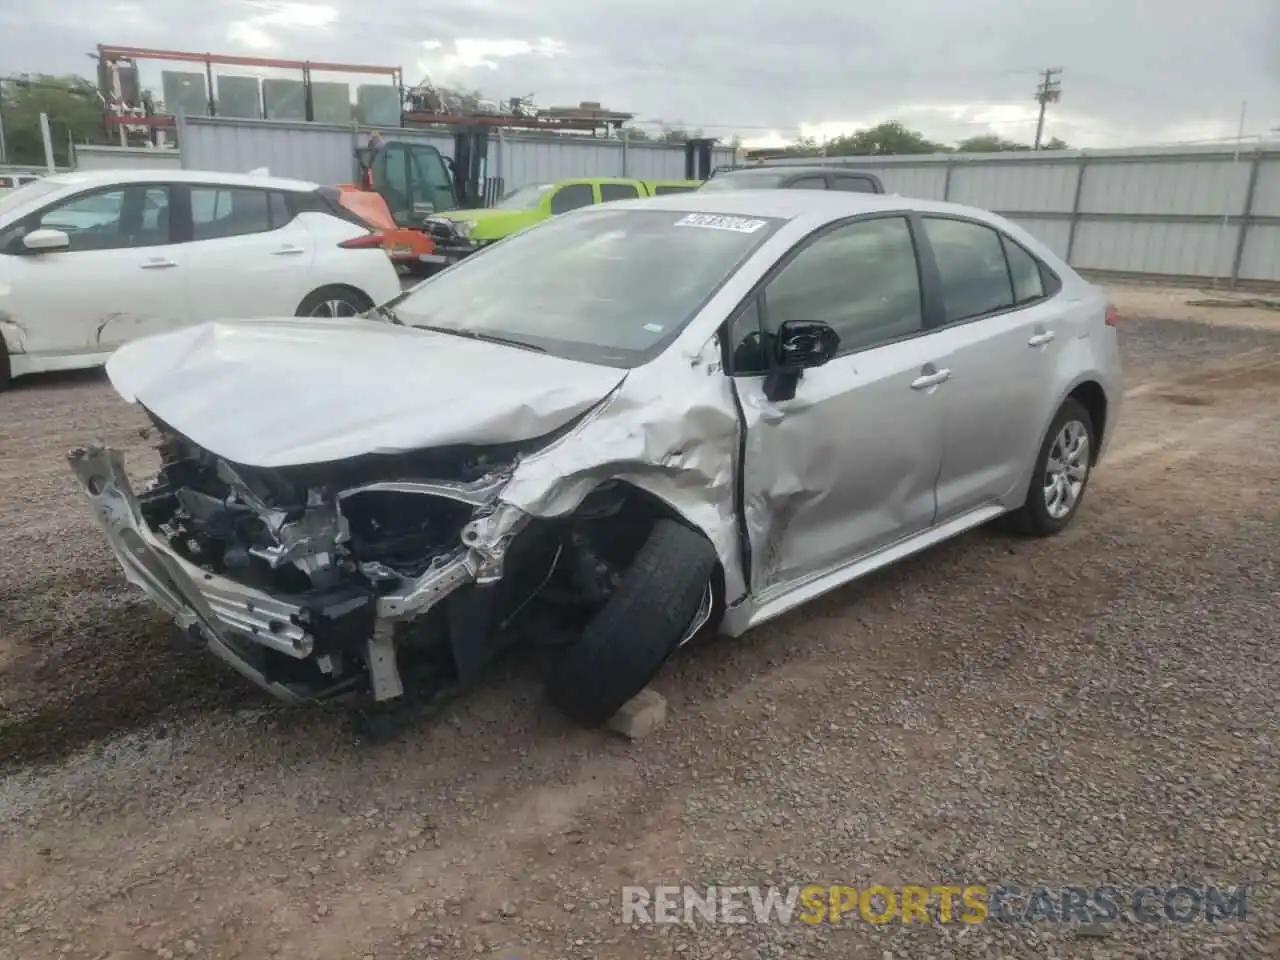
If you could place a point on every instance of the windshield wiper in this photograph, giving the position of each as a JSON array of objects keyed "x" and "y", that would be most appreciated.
[
  {"x": 477, "y": 335},
  {"x": 388, "y": 313}
]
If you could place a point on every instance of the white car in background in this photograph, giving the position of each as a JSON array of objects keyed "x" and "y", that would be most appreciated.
[
  {"x": 11, "y": 181},
  {"x": 92, "y": 260}
]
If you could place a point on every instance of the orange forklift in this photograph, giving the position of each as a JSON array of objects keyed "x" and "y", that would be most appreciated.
[{"x": 402, "y": 183}]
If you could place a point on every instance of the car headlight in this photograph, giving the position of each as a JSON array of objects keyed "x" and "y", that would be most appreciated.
[{"x": 464, "y": 228}]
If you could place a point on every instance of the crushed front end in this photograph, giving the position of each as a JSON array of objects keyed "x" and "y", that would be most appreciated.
[{"x": 322, "y": 580}]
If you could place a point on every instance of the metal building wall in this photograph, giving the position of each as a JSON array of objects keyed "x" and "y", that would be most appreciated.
[
  {"x": 125, "y": 158},
  {"x": 323, "y": 152},
  {"x": 1196, "y": 213}
]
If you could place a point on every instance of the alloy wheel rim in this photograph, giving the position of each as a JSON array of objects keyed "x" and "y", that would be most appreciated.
[
  {"x": 334, "y": 308},
  {"x": 1066, "y": 470}
]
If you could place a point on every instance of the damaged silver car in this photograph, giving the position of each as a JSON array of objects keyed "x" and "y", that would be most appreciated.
[{"x": 604, "y": 434}]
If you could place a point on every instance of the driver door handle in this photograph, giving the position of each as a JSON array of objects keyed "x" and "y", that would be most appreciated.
[
  {"x": 159, "y": 263},
  {"x": 930, "y": 380},
  {"x": 289, "y": 251},
  {"x": 1041, "y": 338}
]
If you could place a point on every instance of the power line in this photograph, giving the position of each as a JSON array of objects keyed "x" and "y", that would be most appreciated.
[{"x": 1049, "y": 91}]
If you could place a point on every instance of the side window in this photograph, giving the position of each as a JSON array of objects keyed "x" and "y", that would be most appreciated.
[
  {"x": 746, "y": 344},
  {"x": 155, "y": 216},
  {"x": 853, "y": 185},
  {"x": 671, "y": 188},
  {"x": 218, "y": 212},
  {"x": 970, "y": 258},
  {"x": 1028, "y": 283},
  {"x": 136, "y": 216},
  {"x": 430, "y": 185},
  {"x": 862, "y": 280},
  {"x": 572, "y": 197},
  {"x": 618, "y": 191},
  {"x": 281, "y": 213},
  {"x": 808, "y": 183}
]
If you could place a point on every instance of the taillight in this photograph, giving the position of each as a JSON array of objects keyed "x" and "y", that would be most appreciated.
[
  {"x": 366, "y": 241},
  {"x": 1113, "y": 318}
]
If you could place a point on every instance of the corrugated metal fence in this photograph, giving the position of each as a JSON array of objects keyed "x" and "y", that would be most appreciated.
[
  {"x": 324, "y": 153},
  {"x": 91, "y": 157},
  {"x": 1187, "y": 213}
]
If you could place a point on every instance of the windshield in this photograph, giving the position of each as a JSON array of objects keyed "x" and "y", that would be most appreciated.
[
  {"x": 25, "y": 193},
  {"x": 526, "y": 198},
  {"x": 612, "y": 287},
  {"x": 749, "y": 180}
]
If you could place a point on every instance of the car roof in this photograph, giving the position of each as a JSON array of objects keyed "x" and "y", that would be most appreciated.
[
  {"x": 87, "y": 179},
  {"x": 809, "y": 169},
  {"x": 816, "y": 205}
]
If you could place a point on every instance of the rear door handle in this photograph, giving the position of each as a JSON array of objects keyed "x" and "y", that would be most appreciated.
[
  {"x": 289, "y": 251},
  {"x": 930, "y": 380},
  {"x": 159, "y": 263},
  {"x": 1040, "y": 339}
]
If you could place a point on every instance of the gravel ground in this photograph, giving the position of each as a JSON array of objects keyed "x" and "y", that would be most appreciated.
[{"x": 1098, "y": 708}]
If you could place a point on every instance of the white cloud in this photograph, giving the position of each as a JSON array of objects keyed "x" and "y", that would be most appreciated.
[{"x": 260, "y": 32}]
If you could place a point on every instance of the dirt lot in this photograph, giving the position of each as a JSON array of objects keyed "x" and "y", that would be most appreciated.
[{"x": 1099, "y": 708}]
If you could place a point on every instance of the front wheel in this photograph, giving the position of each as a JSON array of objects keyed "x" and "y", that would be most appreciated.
[
  {"x": 334, "y": 302},
  {"x": 1061, "y": 473},
  {"x": 659, "y": 599}
]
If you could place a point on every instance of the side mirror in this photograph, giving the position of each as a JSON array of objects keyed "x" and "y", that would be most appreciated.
[
  {"x": 798, "y": 346},
  {"x": 802, "y": 344},
  {"x": 44, "y": 241}
]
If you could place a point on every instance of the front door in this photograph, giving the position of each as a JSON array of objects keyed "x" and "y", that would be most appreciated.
[
  {"x": 847, "y": 467},
  {"x": 120, "y": 277}
]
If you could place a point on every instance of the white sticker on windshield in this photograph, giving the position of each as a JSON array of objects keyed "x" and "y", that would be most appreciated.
[
  {"x": 653, "y": 327},
  {"x": 715, "y": 221}
]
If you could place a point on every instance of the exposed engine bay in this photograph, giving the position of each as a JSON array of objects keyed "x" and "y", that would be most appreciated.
[{"x": 372, "y": 574}]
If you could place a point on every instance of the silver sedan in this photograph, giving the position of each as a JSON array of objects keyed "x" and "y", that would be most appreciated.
[{"x": 606, "y": 433}]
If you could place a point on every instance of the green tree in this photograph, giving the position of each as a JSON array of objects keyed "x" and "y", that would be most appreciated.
[
  {"x": 1056, "y": 144},
  {"x": 677, "y": 135},
  {"x": 883, "y": 139},
  {"x": 74, "y": 110},
  {"x": 990, "y": 143},
  {"x": 804, "y": 147}
]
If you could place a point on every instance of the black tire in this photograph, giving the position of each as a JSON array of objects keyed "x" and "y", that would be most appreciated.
[
  {"x": 5, "y": 372},
  {"x": 628, "y": 641},
  {"x": 349, "y": 297},
  {"x": 1033, "y": 517}
]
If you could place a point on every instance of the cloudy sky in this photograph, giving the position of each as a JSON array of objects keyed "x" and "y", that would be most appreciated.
[{"x": 1134, "y": 71}]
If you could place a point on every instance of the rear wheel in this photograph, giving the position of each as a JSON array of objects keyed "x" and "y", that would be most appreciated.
[
  {"x": 661, "y": 596},
  {"x": 334, "y": 302},
  {"x": 5, "y": 372},
  {"x": 1061, "y": 473}
]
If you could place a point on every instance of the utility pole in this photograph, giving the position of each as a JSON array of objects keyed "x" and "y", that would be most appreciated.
[{"x": 1049, "y": 91}]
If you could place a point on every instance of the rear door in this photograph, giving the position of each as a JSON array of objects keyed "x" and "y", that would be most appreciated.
[
  {"x": 250, "y": 256},
  {"x": 998, "y": 326},
  {"x": 121, "y": 277}
]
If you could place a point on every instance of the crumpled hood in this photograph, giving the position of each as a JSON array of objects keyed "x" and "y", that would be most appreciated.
[{"x": 273, "y": 393}]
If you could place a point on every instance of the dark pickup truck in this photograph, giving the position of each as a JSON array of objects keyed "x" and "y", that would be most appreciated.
[{"x": 848, "y": 179}]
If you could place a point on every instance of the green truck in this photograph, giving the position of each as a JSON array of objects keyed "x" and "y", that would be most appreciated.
[{"x": 459, "y": 232}]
